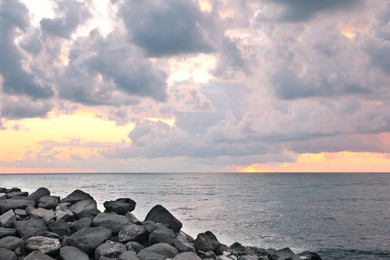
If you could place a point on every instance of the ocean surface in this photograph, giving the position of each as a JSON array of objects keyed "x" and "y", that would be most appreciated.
[{"x": 338, "y": 215}]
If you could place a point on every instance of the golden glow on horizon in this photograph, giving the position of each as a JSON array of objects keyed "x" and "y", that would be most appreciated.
[{"x": 328, "y": 162}]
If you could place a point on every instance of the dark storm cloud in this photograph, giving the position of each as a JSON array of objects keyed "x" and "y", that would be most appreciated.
[
  {"x": 71, "y": 14},
  {"x": 16, "y": 80},
  {"x": 168, "y": 27},
  {"x": 302, "y": 10},
  {"x": 18, "y": 108}
]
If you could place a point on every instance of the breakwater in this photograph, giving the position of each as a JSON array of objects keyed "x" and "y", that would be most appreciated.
[{"x": 43, "y": 226}]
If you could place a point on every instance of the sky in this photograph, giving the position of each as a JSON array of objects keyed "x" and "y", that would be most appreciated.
[{"x": 194, "y": 86}]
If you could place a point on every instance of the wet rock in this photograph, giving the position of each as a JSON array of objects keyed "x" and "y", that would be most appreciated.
[
  {"x": 45, "y": 214},
  {"x": 30, "y": 227},
  {"x": 159, "y": 214},
  {"x": 112, "y": 221},
  {"x": 128, "y": 255},
  {"x": 132, "y": 232},
  {"x": 11, "y": 242},
  {"x": 88, "y": 239},
  {"x": 110, "y": 249},
  {"x": 72, "y": 253},
  {"x": 134, "y": 246},
  {"x": 158, "y": 252},
  {"x": 8, "y": 218},
  {"x": 309, "y": 256},
  {"x": 76, "y": 196},
  {"x": 84, "y": 209},
  {"x": 46, "y": 245},
  {"x": 80, "y": 224},
  {"x": 206, "y": 242},
  {"x": 39, "y": 193},
  {"x": 48, "y": 202},
  {"x": 183, "y": 246},
  {"x": 161, "y": 234},
  {"x": 285, "y": 254},
  {"x": 7, "y": 254},
  {"x": 17, "y": 194},
  {"x": 60, "y": 227},
  {"x": 120, "y": 206},
  {"x": 132, "y": 218},
  {"x": 8, "y": 204},
  {"x": 4, "y": 232},
  {"x": 21, "y": 213},
  {"x": 62, "y": 212},
  {"x": 36, "y": 255}
]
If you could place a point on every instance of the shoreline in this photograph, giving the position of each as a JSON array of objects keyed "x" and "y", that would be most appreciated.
[{"x": 44, "y": 226}]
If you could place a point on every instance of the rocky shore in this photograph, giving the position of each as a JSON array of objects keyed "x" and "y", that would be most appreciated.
[{"x": 40, "y": 226}]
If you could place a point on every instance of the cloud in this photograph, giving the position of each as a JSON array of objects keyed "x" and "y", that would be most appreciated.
[
  {"x": 303, "y": 10},
  {"x": 17, "y": 79},
  {"x": 71, "y": 14},
  {"x": 22, "y": 107},
  {"x": 164, "y": 28}
]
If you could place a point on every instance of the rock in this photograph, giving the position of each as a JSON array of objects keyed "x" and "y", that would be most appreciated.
[
  {"x": 11, "y": 243},
  {"x": 185, "y": 237},
  {"x": 29, "y": 209},
  {"x": 62, "y": 212},
  {"x": 8, "y": 204},
  {"x": 132, "y": 232},
  {"x": 48, "y": 202},
  {"x": 159, "y": 251},
  {"x": 248, "y": 257},
  {"x": 223, "y": 248},
  {"x": 76, "y": 196},
  {"x": 128, "y": 255},
  {"x": 14, "y": 189},
  {"x": 7, "y": 254},
  {"x": 120, "y": 206},
  {"x": 4, "y": 232},
  {"x": 8, "y": 218},
  {"x": 72, "y": 253},
  {"x": 149, "y": 225},
  {"x": 45, "y": 214},
  {"x": 134, "y": 246},
  {"x": 110, "y": 249},
  {"x": 187, "y": 256},
  {"x": 60, "y": 227},
  {"x": 159, "y": 214},
  {"x": 84, "y": 208},
  {"x": 183, "y": 246},
  {"x": 309, "y": 256},
  {"x": 206, "y": 242},
  {"x": 239, "y": 249},
  {"x": 36, "y": 255},
  {"x": 161, "y": 234},
  {"x": 132, "y": 218},
  {"x": 30, "y": 227},
  {"x": 39, "y": 193},
  {"x": 88, "y": 239},
  {"x": 17, "y": 194},
  {"x": 80, "y": 224},
  {"x": 111, "y": 221},
  {"x": 46, "y": 245},
  {"x": 285, "y": 254},
  {"x": 3, "y": 196},
  {"x": 21, "y": 212}
]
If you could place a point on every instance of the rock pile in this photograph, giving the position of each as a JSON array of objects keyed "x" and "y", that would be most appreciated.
[{"x": 39, "y": 226}]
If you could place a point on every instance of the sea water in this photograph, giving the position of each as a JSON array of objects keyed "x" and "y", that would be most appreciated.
[{"x": 338, "y": 215}]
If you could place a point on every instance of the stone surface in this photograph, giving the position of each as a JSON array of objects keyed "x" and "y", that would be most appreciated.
[
  {"x": 248, "y": 257},
  {"x": 161, "y": 234},
  {"x": 134, "y": 246},
  {"x": 8, "y": 204},
  {"x": 120, "y": 206},
  {"x": 39, "y": 193},
  {"x": 72, "y": 253},
  {"x": 45, "y": 214},
  {"x": 110, "y": 249},
  {"x": 157, "y": 252},
  {"x": 8, "y": 218},
  {"x": 11, "y": 242},
  {"x": 30, "y": 227},
  {"x": 60, "y": 227},
  {"x": 6, "y": 254},
  {"x": 309, "y": 256},
  {"x": 48, "y": 202},
  {"x": 17, "y": 194},
  {"x": 62, "y": 212},
  {"x": 286, "y": 254},
  {"x": 76, "y": 196},
  {"x": 183, "y": 246},
  {"x": 132, "y": 232},
  {"x": 112, "y": 221},
  {"x": 36, "y": 255},
  {"x": 159, "y": 214},
  {"x": 84, "y": 208},
  {"x": 80, "y": 224},
  {"x": 187, "y": 256},
  {"x": 88, "y": 239},
  {"x": 46, "y": 245},
  {"x": 128, "y": 255},
  {"x": 4, "y": 232},
  {"x": 206, "y": 242}
]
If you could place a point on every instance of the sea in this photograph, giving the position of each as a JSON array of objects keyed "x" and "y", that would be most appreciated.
[{"x": 337, "y": 215}]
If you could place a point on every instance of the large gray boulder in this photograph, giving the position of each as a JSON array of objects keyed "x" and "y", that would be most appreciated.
[
  {"x": 8, "y": 218},
  {"x": 161, "y": 234},
  {"x": 80, "y": 224},
  {"x": 4, "y": 232},
  {"x": 8, "y": 204},
  {"x": 63, "y": 212},
  {"x": 76, "y": 196},
  {"x": 286, "y": 254},
  {"x": 88, "y": 239},
  {"x": 187, "y": 256},
  {"x": 36, "y": 255},
  {"x": 11, "y": 242},
  {"x": 184, "y": 246},
  {"x": 7, "y": 254},
  {"x": 72, "y": 253},
  {"x": 39, "y": 193},
  {"x": 128, "y": 255},
  {"x": 309, "y": 256},
  {"x": 159, "y": 251},
  {"x": 120, "y": 206},
  {"x": 45, "y": 214},
  {"x": 60, "y": 227},
  {"x": 159, "y": 214},
  {"x": 84, "y": 208},
  {"x": 206, "y": 242},
  {"x": 132, "y": 232},
  {"x": 30, "y": 227},
  {"x": 15, "y": 194},
  {"x": 110, "y": 249},
  {"x": 48, "y": 202},
  {"x": 134, "y": 246},
  {"x": 46, "y": 245},
  {"x": 111, "y": 221}
]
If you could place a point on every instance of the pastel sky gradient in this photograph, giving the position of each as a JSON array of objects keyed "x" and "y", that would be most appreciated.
[{"x": 194, "y": 85}]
